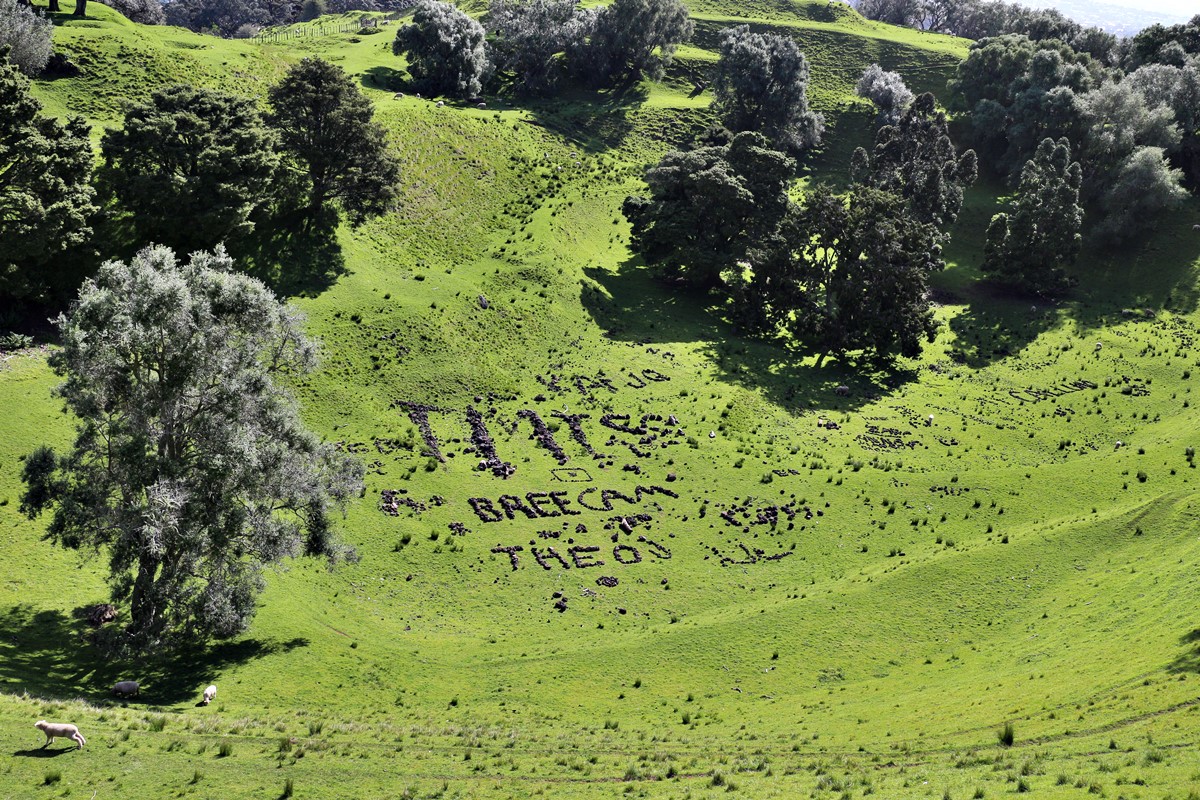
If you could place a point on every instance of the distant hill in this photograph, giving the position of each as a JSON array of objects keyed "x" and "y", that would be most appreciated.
[{"x": 1123, "y": 19}]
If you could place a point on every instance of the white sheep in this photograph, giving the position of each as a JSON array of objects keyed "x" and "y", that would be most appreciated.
[
  {"x": 209, "y": 694},
  {"x": 439, "y": 104},
  {"x": 60, "y": 730},
  {"x": 126, "y": 688}
]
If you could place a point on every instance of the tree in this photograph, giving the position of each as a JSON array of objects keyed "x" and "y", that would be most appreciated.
[
  {"x": 46, "y": 198},
  {"x": 632, "y": 37},
  {"x": 887, "y": 91},
  {"x": 1145, "y": 187},
  {"x": 761, "y": 84},
  {"x": 1031, "y": 247},
  {"x": 1177, "y": 88},
  {"x": 445, "y": 50},
  {"x": 908, "y": 13},
  {"x": 189, "y": 166},
  {"x": 916, "y": 160},
  {"x": 143, "y": 12},
  {"x": 333, "y": 145},
  {"x": 1020, "y": 92},
  {"x": 531, "y": 35},
  {"x": 856, "y": 275},
  {"x": 191, "y": 470},
  {"x": 709, "y": 206},
  {"x": 24, "y": 36},
  {"x": 223, "y": 16}
]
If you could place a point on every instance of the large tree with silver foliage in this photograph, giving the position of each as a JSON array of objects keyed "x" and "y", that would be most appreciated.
[
  {"x": 445, "y": 49},
  {"x": 191, "y": 471},
  {"x": 761, "y": 84}
]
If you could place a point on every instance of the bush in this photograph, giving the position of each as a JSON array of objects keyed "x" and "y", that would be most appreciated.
[
  {"x": 1006, "y": 735},
  {"x": 27, "y": 33},
  {"x": 225, "y": 749}
]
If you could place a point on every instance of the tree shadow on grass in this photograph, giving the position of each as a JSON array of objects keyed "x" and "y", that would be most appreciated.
[
  {"x": 294, "y": 259},
  {"x": 47, "y": 653},
  {"x": 634, "y": 305},
  {"x": 997, "y": 324},
  {"x": 595, "y": 120},
  {"x": 387, "y": 79},
  {"x": 1189, "y": 660}
]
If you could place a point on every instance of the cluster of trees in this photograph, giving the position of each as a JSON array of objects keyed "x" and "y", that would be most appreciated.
[
  {"x": 982, "y": 19},
  {"x": 243, "y": 18},
  {"x": 188, "y": 168},
  {"x": 1135, "y": 134},
  {"x": 531, "y": 44},
  {"x": 837, "y": 273}
]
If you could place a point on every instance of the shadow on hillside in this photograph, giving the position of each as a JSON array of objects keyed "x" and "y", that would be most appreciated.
[
  {"x": 595, "y": 120},
  {"x": 1158, "y": 272},
  {"x": 1189, "y": 660},
  {"x": 997, "y": 324},
  {"x": 294, "y": 260},
  {"x": 386, "y": 79},
  {"x": 635, "y": 306},
  {"x": 49, "y": 654}
]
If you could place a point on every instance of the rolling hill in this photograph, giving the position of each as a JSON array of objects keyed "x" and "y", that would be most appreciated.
[{"x": 710, "y": 571}]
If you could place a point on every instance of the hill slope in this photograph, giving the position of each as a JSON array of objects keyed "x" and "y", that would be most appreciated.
[{"x": 756, "y": 602}]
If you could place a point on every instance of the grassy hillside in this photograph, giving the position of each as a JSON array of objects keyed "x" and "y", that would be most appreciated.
[{"x": 802, "y": 593}]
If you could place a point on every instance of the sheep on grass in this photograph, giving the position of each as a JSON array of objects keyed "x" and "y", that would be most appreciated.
[{"x": 59, "y": 730}]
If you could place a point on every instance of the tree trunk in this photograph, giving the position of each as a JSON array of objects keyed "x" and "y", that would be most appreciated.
[
  {"x": 80, "y": 8},
  {"x": 54, "y": 9},
  {"x": 143, "y": 610}
]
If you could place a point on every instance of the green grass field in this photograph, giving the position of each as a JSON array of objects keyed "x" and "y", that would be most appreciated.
[{"x": 732, "y": 580}]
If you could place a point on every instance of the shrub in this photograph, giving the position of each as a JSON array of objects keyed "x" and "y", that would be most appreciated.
[
  {"x": 27, "y": 33},
  {"x": 225, "y": 749},
  {"x": 1006, "y": 735},
  {"x": 52, "y": 777}
]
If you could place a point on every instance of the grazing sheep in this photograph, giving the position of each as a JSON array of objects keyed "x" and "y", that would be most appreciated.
[
  {"x": 438, "y": 104},
  {"x": 1099, "y": 346},
  {"x": 842, "y": 391},
  {"x": 929, "y": 421},
  {"x": 1119, "y": 445},
  {"x": 209, "y": 694},
  {"x": 398, "y": 96},
  {"x": 126, "y": 688},
  {"x": 1196, "y": 227},
  {"x": 60, "y": 730},
  {"x": 481, "y": 105}
]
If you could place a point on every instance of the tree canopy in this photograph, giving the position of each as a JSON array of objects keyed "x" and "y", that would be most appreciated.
[
  {"x": 46, "y": 199},
  {"x": 709, "y": 206},
  {"x": 24, "y": 36},
  {"x": 1032, "y": 246},
  {"x": 761, "y": 84},
  {"x": 530, "y": 37},
  {"x": 916, "y": 160},
  {"x": 331, "y": 143},
  {"x": 887, "y": 91},
  {"x": 445, "y": 50},
  {"x": 189, "y": 166},
  {"x": 191, "y": 471},
  {"x": 629, "y": 38}
]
